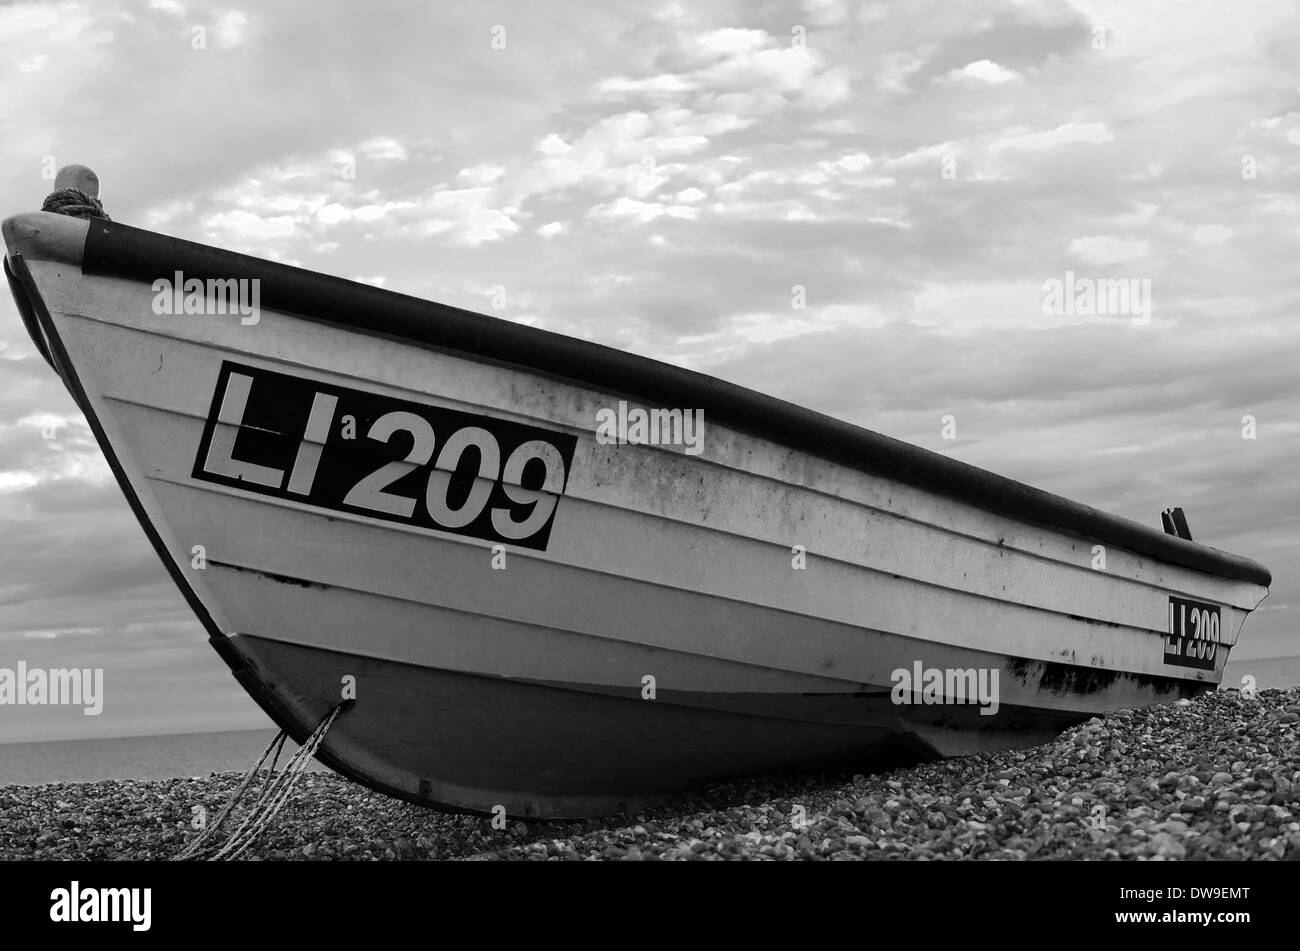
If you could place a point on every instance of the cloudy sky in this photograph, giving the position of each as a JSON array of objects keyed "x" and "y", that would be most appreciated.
[{"x": 677, "y": 179}]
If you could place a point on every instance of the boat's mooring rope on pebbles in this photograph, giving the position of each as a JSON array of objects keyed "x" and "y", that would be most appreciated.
[
  {"x": 276, "y": 745},
  {"x": 275, "y": 792}
]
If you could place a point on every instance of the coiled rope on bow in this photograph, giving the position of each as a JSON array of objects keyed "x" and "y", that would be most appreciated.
[
  {"x": 74, "y": 203},
  {"x": 76, "y": 194},
  {"x": 271, "y": 798}
]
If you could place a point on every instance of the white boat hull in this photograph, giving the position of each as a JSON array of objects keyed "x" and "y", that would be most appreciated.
[{"x": 686, "y": 618}]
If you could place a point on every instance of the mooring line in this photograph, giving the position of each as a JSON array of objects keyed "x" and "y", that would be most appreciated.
[{"x": 277, "y": 787}]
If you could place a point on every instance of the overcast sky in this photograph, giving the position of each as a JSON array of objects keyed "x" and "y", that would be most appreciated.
[{"x": 660, "y": 177}]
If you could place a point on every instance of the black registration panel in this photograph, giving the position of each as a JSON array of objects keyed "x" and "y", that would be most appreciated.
[
  {"x": 1194, "y": 634},
  {"x": 383, "y": 457}
]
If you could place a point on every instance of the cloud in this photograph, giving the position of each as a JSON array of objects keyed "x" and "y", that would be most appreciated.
[
  {"x": 1070, "y": 133},
  {"x": 1211, "y": 234},
  {"x": 984, "y": 71},
  {"x": 230, "y": 29},
  {"x": 240, "y": 228},
  {"x": 382, "y": 148},
  {"x": 732, "y": 40},
  {"x": 1107, "y": 249}
]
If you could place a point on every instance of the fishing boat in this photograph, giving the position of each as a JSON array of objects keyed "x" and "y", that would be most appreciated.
[{"x": 544, "y": 589}]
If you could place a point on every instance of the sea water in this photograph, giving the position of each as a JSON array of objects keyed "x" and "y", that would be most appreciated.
[
  {"x": 1268, "y": 672},
  {"x": 136, "y": 757}
]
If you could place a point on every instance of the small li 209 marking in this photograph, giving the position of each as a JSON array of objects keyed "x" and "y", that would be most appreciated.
[
  {"x": 1194, "y": 635},
  {"x": 369, "y": 454}
]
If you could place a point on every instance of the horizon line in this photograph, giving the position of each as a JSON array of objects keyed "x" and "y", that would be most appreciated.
[{"x": 138, "y": 736}]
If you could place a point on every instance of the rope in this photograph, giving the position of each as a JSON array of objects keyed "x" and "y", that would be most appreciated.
[
  {"x": 75, "y": 203},
  {"x": 281, "y": 788},
  {"x": 272, "y": 797},
  {"x": 277, "y": 744}
]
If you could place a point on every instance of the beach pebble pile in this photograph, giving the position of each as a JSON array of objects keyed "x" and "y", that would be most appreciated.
[{"x": 1217, "y": 777}]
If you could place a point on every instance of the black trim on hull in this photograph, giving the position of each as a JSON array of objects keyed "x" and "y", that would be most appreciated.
[
  {"x": 122, "y": 251},
  {"x": 25, "y": 311}
]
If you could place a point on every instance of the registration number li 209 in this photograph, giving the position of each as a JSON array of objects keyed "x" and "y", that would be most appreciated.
[
  {"x": 1194, "y": 635},
  {"x": 383, "y": 457}
]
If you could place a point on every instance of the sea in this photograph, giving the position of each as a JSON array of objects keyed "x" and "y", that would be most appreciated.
[
  {"x": 1269, "y": 672},
  {"x": 136, "y": 757},
  {"x": 198, "y": 754}
]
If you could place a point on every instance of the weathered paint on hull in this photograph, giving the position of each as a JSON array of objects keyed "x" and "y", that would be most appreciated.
[{"x": 479, "y": 687}]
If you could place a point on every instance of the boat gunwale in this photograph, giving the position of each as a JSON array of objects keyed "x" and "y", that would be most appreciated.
[{"x": 116, "y": 250}]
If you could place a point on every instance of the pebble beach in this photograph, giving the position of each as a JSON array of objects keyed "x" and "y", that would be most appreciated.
[{"x": 1217, "y": 777}]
